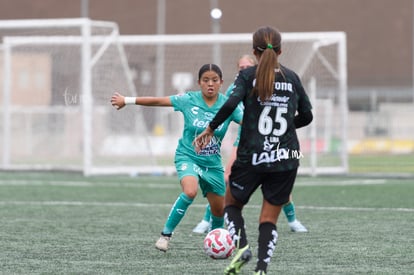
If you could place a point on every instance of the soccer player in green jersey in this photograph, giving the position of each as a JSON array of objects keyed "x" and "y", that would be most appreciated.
[
  {"x": 246, "y": 61},
  {"x": 194, "y": 169},
  {"x": 275, "y": 105}
]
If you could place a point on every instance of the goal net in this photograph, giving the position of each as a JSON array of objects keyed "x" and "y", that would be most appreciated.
[{"x": 58, "y": 77}]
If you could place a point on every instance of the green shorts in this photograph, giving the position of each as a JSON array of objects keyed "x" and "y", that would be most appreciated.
[{"x": 210, "y": 180}]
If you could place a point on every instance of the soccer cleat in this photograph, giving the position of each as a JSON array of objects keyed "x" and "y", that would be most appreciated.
[
  {"x": 202, "y": 227},
  {"x": 260, "y": 272},
  {"x": 242, "y": 256},
  {"x": 162, "y": 243},
  {"x": 296, "y": 226}
]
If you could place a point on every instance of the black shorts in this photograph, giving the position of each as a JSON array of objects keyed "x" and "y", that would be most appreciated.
[{"x": 276, "y": 186}]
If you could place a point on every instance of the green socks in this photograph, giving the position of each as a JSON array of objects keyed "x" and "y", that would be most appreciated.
[
  {"x": 289, "y": 210},
  {"x": 207, "y": 213},
  {"x": 216, "y": 222},
  {"x": 177, "y": 213}
]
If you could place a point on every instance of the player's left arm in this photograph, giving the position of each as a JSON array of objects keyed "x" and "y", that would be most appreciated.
[
  {"x": 302, "y": 119},
  {"x": 119, "y": 101},
  {"x": 304, "y": 114}
]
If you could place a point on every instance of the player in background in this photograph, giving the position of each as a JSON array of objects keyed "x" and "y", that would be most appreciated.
[
  {"x": 204, "y": 168},
  {"x": 275, "y": 105},
  {"x": 204, "y": 225}
]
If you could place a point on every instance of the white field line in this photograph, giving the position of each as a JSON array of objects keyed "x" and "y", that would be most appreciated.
[
  {"x": 173, "y": 186},
  {"x": 300, "y": 182},
  {"x": 86, "y": 184},
  {"x": 342, "y": 182},
  {"x": 126, "y": 204}
]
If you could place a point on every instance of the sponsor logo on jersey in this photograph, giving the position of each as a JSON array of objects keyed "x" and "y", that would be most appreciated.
[
  {"x": 238, "y": 186},
  {"x": 194, "y": 110},
  {"x": 270, "y": 156},
  {"x": 204, "y": 123},
  {"x": 283, "y": 86},
  {"x": 280, "y": 86},
  {"x": 278, "y": 101},
  {"x": 267, "y": 146},
  {"x": 198, "y": 170},
  {"x": 209, "y": 116},
  {"x": 184, "y": 166},
  {"x": 213, "y": 148}
]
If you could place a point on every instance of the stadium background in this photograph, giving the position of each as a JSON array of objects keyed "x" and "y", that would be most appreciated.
[
  {"x": 379, "y": 45},
  {"x": 65, "y": 223}
]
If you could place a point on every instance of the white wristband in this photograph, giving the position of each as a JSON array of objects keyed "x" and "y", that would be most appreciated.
[{"x": 129, "y": 100}]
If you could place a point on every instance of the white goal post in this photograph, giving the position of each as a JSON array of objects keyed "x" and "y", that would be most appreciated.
[{"x": 69, "y": 124}]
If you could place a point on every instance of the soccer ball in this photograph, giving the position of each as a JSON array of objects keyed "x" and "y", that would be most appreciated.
[{"x": 218, "y": 244}]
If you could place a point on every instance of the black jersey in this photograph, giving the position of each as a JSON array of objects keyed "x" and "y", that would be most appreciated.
[{"x": 268, "y": 140}]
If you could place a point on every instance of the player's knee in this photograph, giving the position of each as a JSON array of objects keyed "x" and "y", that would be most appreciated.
[{"x": 191, "y": 193}]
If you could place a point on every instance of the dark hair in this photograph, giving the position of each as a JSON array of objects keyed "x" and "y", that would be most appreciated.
[
  {"x": 210, "y": 67},
  {"x": 267, "y": 43}
]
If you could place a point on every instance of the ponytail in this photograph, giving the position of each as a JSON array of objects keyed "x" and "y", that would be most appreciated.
[{"x": 267, "y": 44}]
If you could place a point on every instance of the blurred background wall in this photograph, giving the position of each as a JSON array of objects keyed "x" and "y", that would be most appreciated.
[
  {"x": 379, "y": 45},
  {"x": 379, "y": 32}
]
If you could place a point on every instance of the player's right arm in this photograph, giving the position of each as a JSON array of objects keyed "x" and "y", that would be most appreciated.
[{"x": 119, "y": 101}]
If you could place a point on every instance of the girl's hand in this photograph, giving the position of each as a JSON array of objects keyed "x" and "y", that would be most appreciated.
[
  {"x": 203, "y": 139},
  {"x": 118, "y": 100}
]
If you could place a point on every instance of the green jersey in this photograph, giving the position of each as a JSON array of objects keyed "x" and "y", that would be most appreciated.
[
  {"x": 230, "y": 89},
  {"x": 197, "y": 115}
]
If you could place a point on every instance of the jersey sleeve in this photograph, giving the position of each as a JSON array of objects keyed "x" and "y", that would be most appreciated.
[
  {"x": 304, "y": 104},
  {"x": 237, "y": 140},
  {"x": 179, "y": 101},
  {"x": 237, "y": 115},
  {"x": 229, "y": 89}
]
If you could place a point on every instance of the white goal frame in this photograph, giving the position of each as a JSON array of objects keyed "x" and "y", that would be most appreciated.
[{"x": 319, "y": 40}]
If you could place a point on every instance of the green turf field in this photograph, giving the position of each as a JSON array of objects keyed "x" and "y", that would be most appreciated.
[
  {"x": 67, "y": 224},
  {"x": 388, "y": 164}
]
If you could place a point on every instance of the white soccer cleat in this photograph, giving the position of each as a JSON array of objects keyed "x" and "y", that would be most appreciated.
[
  {"x": 162, "y": 243},
  {"x": 296, "y": 226},
  {"x": 202, "y": 227}
]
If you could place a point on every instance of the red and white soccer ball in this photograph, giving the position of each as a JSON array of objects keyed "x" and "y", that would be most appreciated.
[{"x": 218, "y": 244}]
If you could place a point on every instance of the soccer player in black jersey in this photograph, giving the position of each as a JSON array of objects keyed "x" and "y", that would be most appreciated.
[
  {"x": 246, "y": 61},
  {"x": 275, "y": 105}
]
